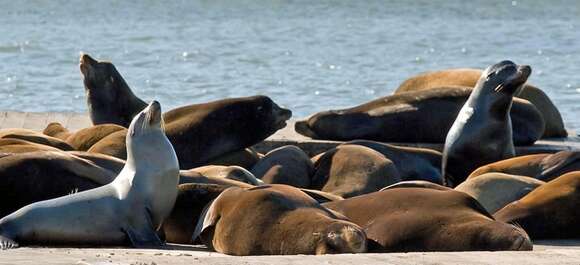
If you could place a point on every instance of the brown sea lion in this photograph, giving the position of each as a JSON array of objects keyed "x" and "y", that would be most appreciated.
[
  {"x": 35, "y": 137},
  {"x": 285, "y": 165},
  {"x": 411, "y": 162},
  {"x": 275, "y": 220},
  {"x": 426, "y": 219},
  {"x": 245, "y": 158},
  {"x": 56, "y": 130},
  {"x": 544, "y": 167},
  {"x": 351, "y": 170},
  {"x": 482, "y": 131},
  {"x": 13, "y": 145},
  {"x": 421, "y": 116},
  {"x": 416, "y": 184},
  {"x": 84, "y": 139},
  {"x": 112, "y": 145},
  {"x": 228, "y": 172},
  {"x": 109, "y": 98},
  {"x": 468, "y": 77},
  {"x": 31, "y": 177},
  {"x": 548, "y": 212},
  {"x": 496, "y": 190},
  {"x": 199, "y": 132}
]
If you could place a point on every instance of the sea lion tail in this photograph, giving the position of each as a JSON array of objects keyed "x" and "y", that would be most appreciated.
[{"x": 302, "y": 127}]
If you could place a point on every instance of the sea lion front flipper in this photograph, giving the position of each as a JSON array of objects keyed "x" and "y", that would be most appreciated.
[
  {"x": 7, "y": 243},
  {"x": 141, "y": 233},
  {"x": 552, "y": 164}
]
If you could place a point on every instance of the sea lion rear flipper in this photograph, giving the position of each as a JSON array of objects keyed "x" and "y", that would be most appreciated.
[
  {"x": 141, "y": 233},
  {"x": 7, "y": 243},
  {"x": 207, "y": 219}
]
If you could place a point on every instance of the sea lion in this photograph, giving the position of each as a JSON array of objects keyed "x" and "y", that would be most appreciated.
[
  {"x": 129, "y": 209},
  {"x": 416, "y": 184},
  {"x": 35, "y": 137},
  {"x": 112, "y": 145},
  {"x": 13, "y": 145},
  {"x": 109, "y": 98},
  {"x": 468, "y": 77},
  {"x": 351, "y": 170},
  {"x": 403, "y": 118},
  {"x": 412, "y": 163},
  {"x": 56, "y": 130},
  {"x": 199, "y": 132},
  {"x": 548, "y": 212},
  {"x": 228, "y": 172},
  {"x": 426, "y": 219},
  {"x": 36, "y": 176},
  {"x": 275, "y": 220},
  {"x": 496, "y": 190},
  {"x": 285, "y": 165},
  {"x": 544, "y": 167},
  {"x": 245, "y": 158},
  {"x": 482, "y": 132},
  {"x": 84, "y": 139}
]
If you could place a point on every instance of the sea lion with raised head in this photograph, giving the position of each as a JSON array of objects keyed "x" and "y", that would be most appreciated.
[
  {"x": 288, "y": 165},
  {"x": 468, "y": 78},
  {"x": 548, "y": 212},
  {"x": 482, "y": 131},
  {"x": 420, "y": 116},
  {"x": 544, "y": 167},
  {"x": 129, "y": 209},
  {"x": 109, "y": 98},
  {"x": 275, "y": 220},
  {"x": 496, "y": 190},
  {"x": 427, "y": 219},
  {"x": 351, "y": 170}
]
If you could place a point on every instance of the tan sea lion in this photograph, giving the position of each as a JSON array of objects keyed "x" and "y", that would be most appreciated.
[
  {"x": 548, "y": 212},
  {"x": 13, "y": 145},
  {"x": 84, "y": 139},
  {"x": 275, "y": 220},
  {"x": 35, "y": 137},
  {"x": 468, "y": 77},
  {"x": 285, "y": 165},
  {"x": 411, "y": 162},
  {"x": 496, "y": 190},
  {"x": 421, "y": 116},
  {"x": 129, "y": 209},
  {"x": 482, "y": 131},
  {"x": 426, "y": 219},
  {"x": 351, "y": 170},
  {"x": 544, "y": 167},
  {"x": 228, "y": 172},
  {"x": 56, "y": 130}
]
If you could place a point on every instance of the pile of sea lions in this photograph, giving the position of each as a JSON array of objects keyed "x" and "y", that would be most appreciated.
[{"x": 142, "y": 177}]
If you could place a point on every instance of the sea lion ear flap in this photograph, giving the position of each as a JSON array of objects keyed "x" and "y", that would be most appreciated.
[{"x": 208, "y": 218}]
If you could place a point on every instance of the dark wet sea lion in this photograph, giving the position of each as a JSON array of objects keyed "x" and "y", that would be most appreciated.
[
  {"x": 35, "y": 137},
  {"x": 482, "y": 131},
  {"x": 13, "y": 145},
  {"x": 421, "y": 116},
  {"x": 496, "y": 190},
  {"x": 36, "y": 176},
  {"x": 288, "y": 165},
  {"x": 544, "y": 167},
  {"x": 275, "y": 220},
  {"x": 351, "y": 170},
  {"x": 56, "y": 130},
  {"x": 109, "y": 98},
  {"x": 468, "y": 77},
  {"x": 411, "y": 162},
  {"x": 550, "y": 211},
  {"x": 426, "y": 219},
  {"x": 129, "y": 209}
]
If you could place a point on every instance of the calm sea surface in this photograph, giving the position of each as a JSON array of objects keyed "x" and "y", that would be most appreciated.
[{"x": 306, "y": 55}]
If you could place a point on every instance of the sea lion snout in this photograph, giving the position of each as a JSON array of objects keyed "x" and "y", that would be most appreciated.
[
  {"x": 282, "y": 115},
  {"x": 85, "y": 63},
  {"x": 153, "y": 112}
]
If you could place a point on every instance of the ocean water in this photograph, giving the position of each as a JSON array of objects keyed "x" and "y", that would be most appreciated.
[{"x": 306, "y": 55}]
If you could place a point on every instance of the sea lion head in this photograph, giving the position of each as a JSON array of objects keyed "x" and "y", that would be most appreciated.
[
  {"x": 505, "y": 77},
  {"x": 265, "y": 109},
  {"x": 147, "y": 140},
  {"x": 497, "y": 235},
  {"x": 342, "y": 237},
  {"x": 100, "y": 78}
]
